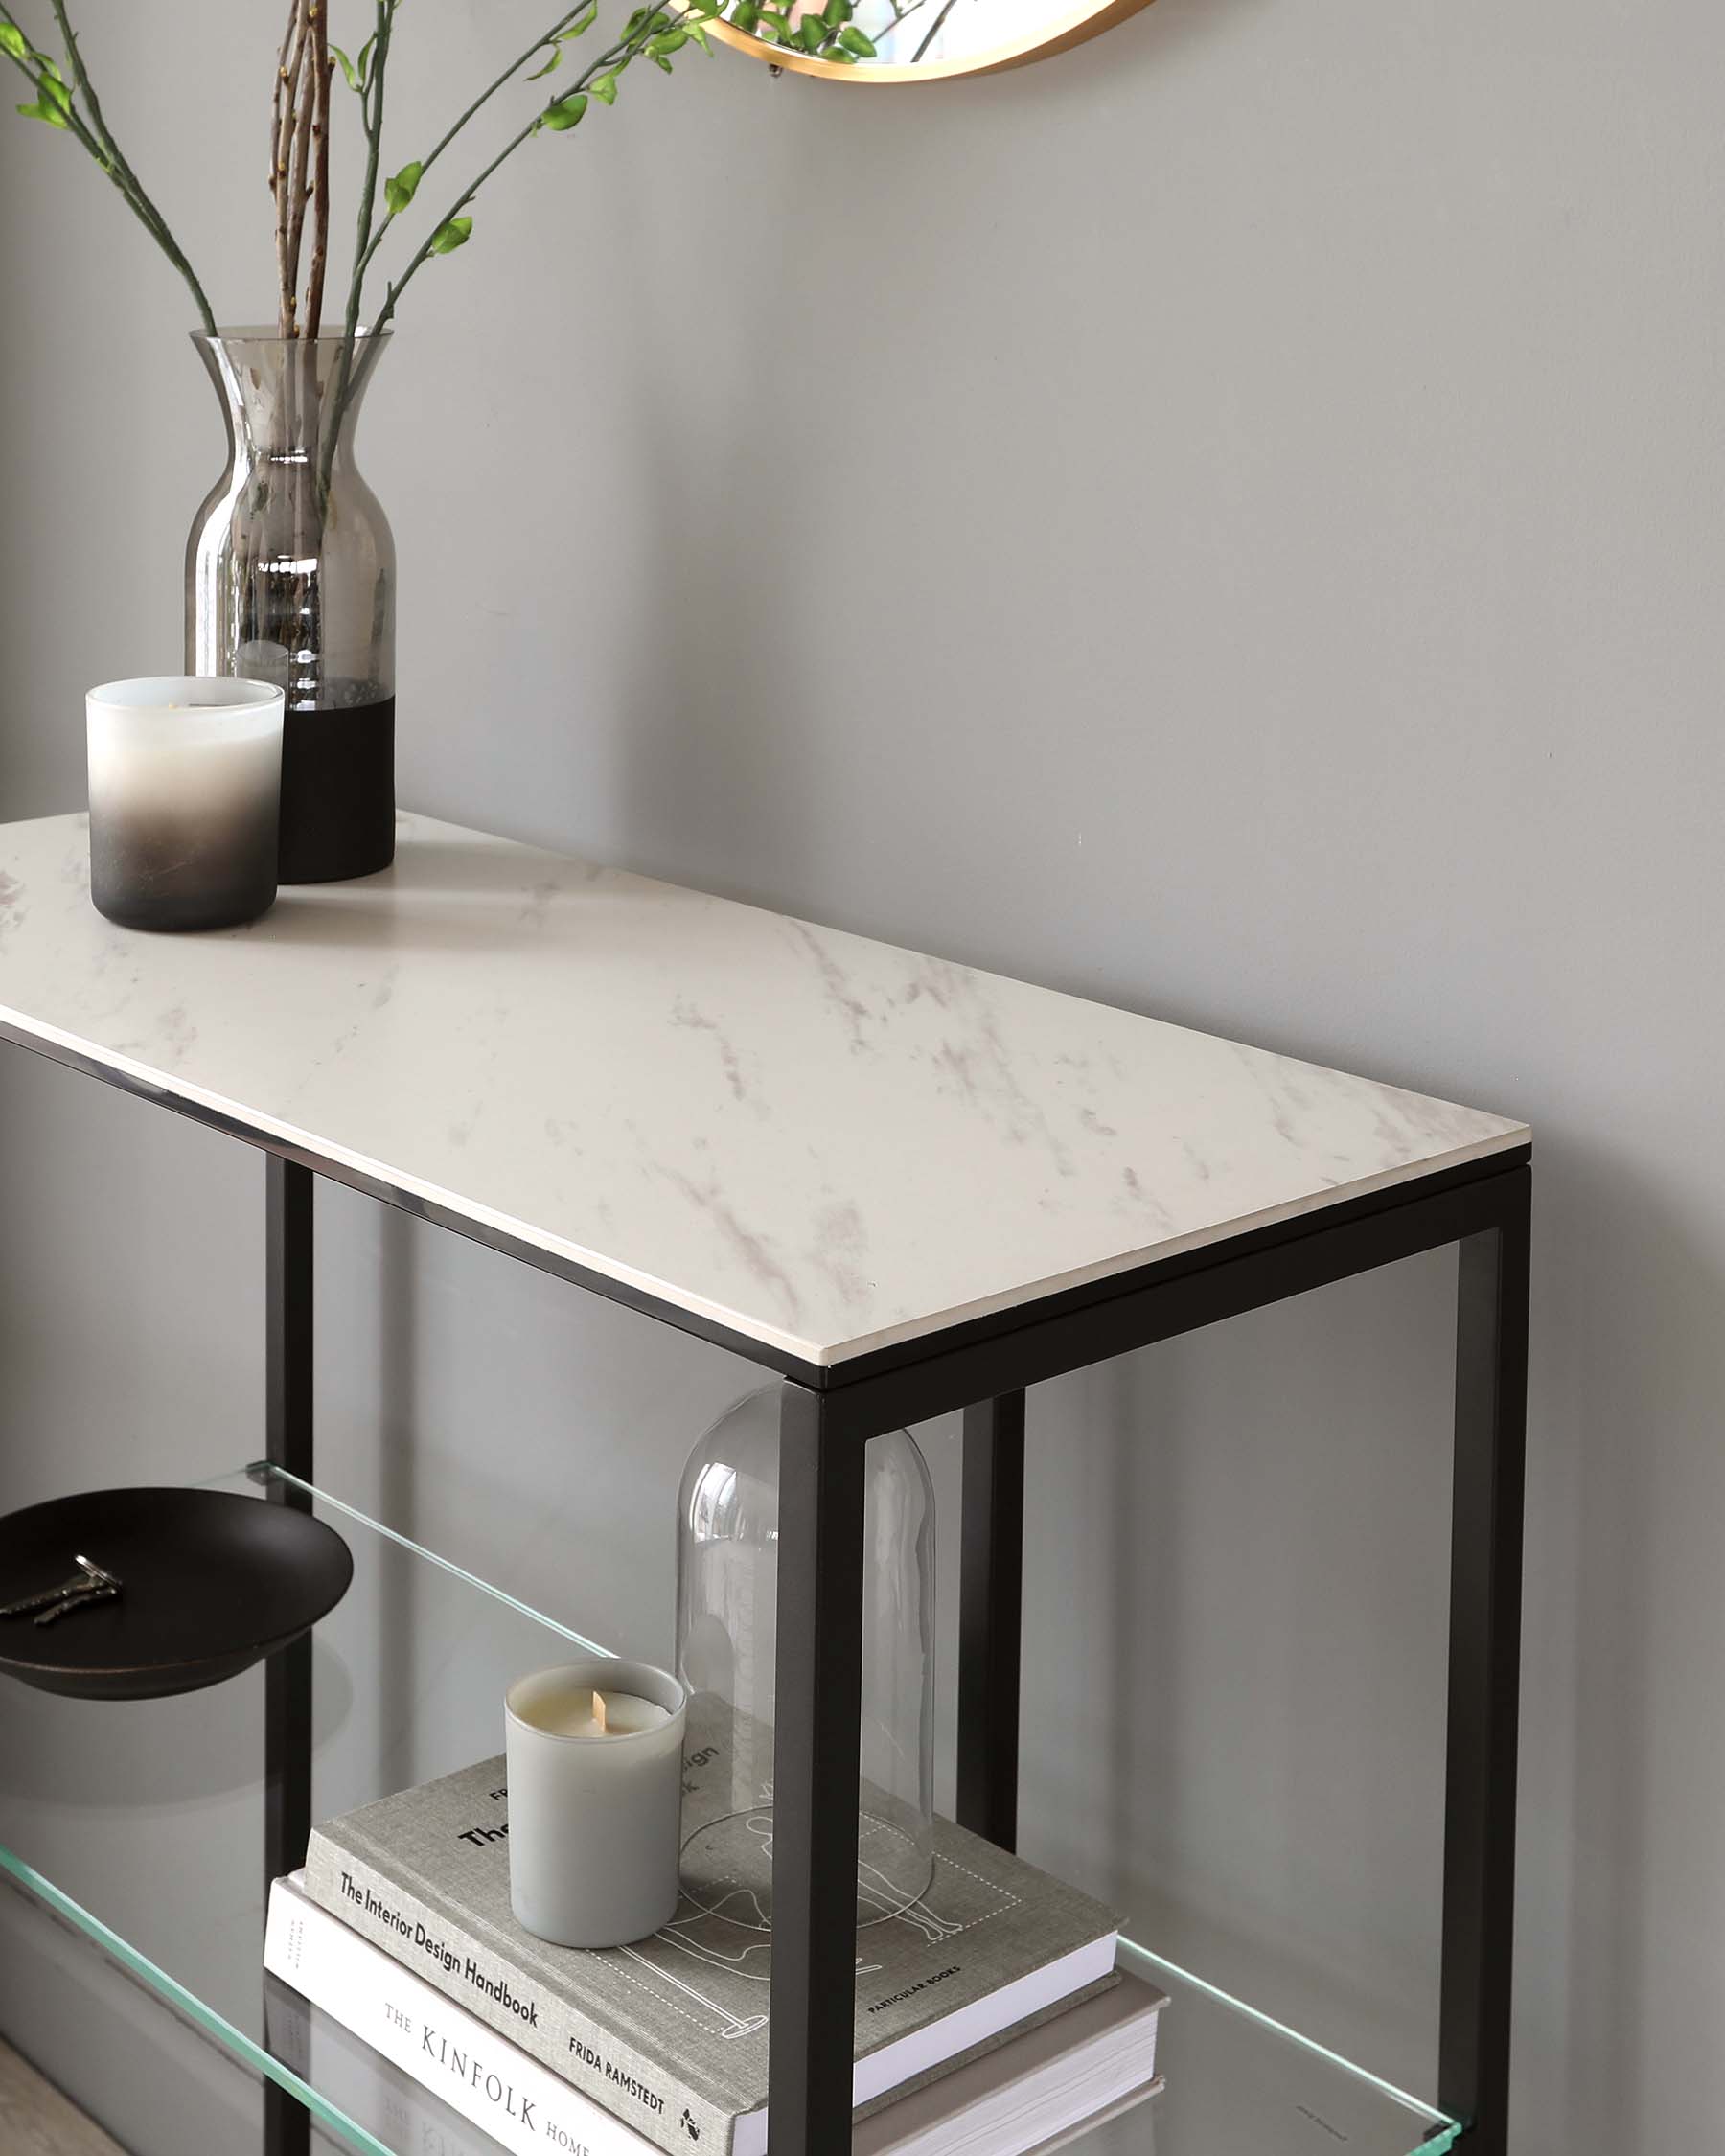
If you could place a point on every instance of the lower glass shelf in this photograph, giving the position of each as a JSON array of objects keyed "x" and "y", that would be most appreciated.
[{"x": 133, "y": 1833}]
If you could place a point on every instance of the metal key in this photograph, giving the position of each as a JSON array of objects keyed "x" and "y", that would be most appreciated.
[
  {"x": 79, "y": 1601},
  {"x": 87, "y": 1577},
  {"x": 74, "y": 1586}
]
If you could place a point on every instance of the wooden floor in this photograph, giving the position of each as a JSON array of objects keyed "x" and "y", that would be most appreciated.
[{"x": 36, "y": 2120}]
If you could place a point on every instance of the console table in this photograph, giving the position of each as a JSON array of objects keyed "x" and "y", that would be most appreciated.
[{"x": 904, "y": 1186}]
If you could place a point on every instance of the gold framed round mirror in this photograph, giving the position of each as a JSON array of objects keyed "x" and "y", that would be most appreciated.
[{"x": 911, "y": 40}]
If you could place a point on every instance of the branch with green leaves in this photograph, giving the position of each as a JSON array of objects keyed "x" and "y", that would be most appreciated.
[
  {"x": 300, "y": 130},
  {"x": 364, "y": 77},
  {"x": 75, "y": 109},
  {"x": 398, "y": 191},
  {"x": 367, "y": 78},
  {"x": 656, "y": 33}
]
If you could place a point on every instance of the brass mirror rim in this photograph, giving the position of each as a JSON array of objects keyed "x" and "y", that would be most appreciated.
[{"x": 1072, "y": 30}]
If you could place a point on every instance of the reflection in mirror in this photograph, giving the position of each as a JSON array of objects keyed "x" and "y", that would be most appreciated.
[
  {"x": 914, "y": 32},
  {"x": 908, "y": 40}
]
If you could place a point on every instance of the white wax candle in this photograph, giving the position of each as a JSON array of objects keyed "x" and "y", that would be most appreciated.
[
  {"x": 570, "y": 1714},
  {"x": 594, "y": 1813}
]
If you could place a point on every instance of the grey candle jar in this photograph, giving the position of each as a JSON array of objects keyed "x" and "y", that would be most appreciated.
[
  {"x": 185, "y": 775},
  {"x": 593, "y": 1820}
]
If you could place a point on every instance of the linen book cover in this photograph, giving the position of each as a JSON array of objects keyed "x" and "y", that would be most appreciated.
[
  {"x": 671, "y": 2033},
  {"x": 420, "y": 2073}
]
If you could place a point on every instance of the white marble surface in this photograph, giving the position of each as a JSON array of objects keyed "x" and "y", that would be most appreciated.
[{"x": 824, "y": 1144}]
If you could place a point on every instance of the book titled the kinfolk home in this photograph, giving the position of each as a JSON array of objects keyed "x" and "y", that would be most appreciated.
[
  {"x": 419, "y": 2072},
  {"x": 670, "y": 2034}
]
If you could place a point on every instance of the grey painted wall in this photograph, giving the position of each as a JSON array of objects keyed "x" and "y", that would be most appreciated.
[{"x": 1228, "y": 521}]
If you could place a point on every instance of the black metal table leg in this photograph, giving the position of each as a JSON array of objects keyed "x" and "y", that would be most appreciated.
[
  {"x": 288, "y": 1675},
  {"x": 814, "y": 1780},
  {"x": 990, "y": 1617},
  {"x": 1485, "y": 1673}
]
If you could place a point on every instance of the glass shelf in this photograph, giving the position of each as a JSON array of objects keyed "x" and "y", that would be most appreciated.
[{"x": 133, "y": 1833}]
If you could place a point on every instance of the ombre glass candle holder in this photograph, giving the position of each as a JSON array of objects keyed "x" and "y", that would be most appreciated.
[{"x": 185, "y": 800}]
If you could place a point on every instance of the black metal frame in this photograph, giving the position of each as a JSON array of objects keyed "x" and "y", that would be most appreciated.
[
  {"x": 982, "y": 1366},
  {"x": 991, "y": 1569},
  {"x": 287, "y": 1368},
  {"x": 1485, "y": 1213}
]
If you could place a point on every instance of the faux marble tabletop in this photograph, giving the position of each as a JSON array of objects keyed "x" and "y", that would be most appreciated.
[{"x": 823, "y": 1143}]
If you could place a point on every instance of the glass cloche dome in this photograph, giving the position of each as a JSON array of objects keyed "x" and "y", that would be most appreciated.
[{"x": 726, "y": 1636}]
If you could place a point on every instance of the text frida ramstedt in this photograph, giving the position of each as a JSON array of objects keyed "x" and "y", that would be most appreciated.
[
  {"x": 614, "y": 2072},
  {"x": 495, "y": 1989}
]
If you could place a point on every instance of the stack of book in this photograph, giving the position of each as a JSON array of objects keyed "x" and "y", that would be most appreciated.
[{"x": 990, "y": 2018}]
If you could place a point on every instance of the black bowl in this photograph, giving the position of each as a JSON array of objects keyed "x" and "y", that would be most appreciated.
[{"x": 213, "y": 1581}]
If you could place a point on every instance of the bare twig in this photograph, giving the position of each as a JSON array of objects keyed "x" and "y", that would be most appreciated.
[
  {"x": 278, "y": 97},
  {"x": 299, "y": 184},
  {"x": 280, "y": 132},
  {"x": 323, "y": 68},
  {"x": 285, "y": 135}
]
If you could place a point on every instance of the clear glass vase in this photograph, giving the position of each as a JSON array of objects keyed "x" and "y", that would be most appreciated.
[
  {"x": 291, "y": 580},
  {"x": 726, "y": 1646}
]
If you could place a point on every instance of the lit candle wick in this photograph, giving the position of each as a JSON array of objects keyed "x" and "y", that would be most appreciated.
[{"x": 599, "y": 1712}]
